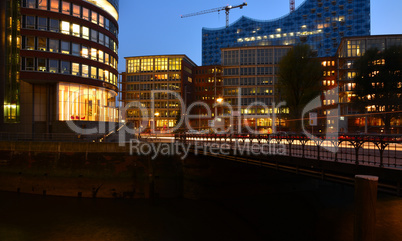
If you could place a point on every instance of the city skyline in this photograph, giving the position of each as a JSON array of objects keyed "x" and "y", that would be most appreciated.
[{"x": 167, "y": 33}]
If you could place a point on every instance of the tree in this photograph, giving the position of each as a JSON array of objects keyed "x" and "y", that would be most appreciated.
[
  {"x": 379, "y": 83},
  {"x": 299, "y": 81}
]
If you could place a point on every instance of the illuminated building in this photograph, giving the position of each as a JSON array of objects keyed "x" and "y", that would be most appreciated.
[
  {"x": 349, "y": 51},
  {"x": 163, "y": 74},
  {"x": 254, "y": 72},
  {"x": 67, "y": 53},
  {"x": 318, "y": 23}
]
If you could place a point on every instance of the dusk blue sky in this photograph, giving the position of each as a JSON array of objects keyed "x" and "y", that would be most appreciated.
[{"x": 155, "y": 27}]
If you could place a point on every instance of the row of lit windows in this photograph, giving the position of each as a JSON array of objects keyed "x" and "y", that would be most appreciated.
[
  {"x": 152, "y": 78},
  {"x": 328, "y": 73},
  {"x": 208, "y": 80},
  {"x": 74, "y": 10},
  {"x": 205, "y": 97},
  {"x": 328, "y": 82},
  {"x": 156, "y": 86},
  {"x": 152, "y": 65},
  {"x": 328, "y": 102},
  {"x": 65, "y": 47},
  {"x": 66, "y": 67},
  {"x": 328, "y": 63},
  {"x": 64, "y": 27}
]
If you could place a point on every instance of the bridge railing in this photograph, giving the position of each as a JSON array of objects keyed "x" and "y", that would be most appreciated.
[{"x": 373, "y": 150}]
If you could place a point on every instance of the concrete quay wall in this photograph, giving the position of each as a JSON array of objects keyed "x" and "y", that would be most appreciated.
[{"x": 102, "y": 170}]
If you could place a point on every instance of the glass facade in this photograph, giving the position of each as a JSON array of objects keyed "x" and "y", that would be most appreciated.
[
  {"x": 159, "y": 73},
  {"x": 85, "y": 103},
  {"x": 319, "y": 23},
  {"x": 253, "y": 71},
  {"x": 13, "y": 46}
]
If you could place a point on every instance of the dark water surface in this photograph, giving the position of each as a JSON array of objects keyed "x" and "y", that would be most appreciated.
[{"x": 266, "y": 205}]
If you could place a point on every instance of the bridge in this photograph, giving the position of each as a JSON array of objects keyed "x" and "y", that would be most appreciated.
[{"x": 336, "y": 158}]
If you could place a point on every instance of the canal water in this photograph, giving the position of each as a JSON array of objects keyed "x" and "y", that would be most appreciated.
[{"x": 260, "y": 204}]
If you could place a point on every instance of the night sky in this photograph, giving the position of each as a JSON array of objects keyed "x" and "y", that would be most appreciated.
[{"x": 155, "y": 27}]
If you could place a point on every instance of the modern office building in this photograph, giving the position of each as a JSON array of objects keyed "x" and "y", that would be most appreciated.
[
  {"x": 250, "y": 75},
  {"x": 319, "y": 23},
  {"x": 61, "y": 63},
  {"x": 348, "y": 52},
  {"x": 166, "y": 75}
]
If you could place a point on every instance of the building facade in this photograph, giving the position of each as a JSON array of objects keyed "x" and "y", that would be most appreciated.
[
  {"x": 208, "y": 89},
  {"x": 349, "y": 51},
  {"x": 319, "y": 23},
  {"x": 154, "y": 81},
  {"x": 67, "y": 58},
  {"x": 250, "y": 75}
]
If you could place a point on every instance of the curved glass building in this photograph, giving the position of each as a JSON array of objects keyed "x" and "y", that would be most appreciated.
[
  {"x": 319, "y": 23},
  {"x": 67, "y": 64}
]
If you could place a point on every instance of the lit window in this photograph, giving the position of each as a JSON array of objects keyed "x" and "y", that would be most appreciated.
[
  {"x": 101, "y": 74},
  {"x": 101, "y": 21},
  {"x": 76, "y": 69},
  {"x": 65, "y": 7},
  {"x": 101, "y": 56},
  {"x": 94, "y": 73},
  {"x": 106, "y": 76},
  {"x": 94, "y": 17},
  {"x": 76, "y": 30},
  {"x": 94, "y": 54},
  {"x": 65, "y": 27},
  {"x": 54, "y": 5},
  {"x": 85, "y": 32},
  {"x": 76, "y": 11},
  {"x": 106, "y": 58},
  {"x": 84, "y": 52},
  {"x": 85, "y": 70},
  {"x": 85, "y": 13},
  {"x": 42, "y": 4}
]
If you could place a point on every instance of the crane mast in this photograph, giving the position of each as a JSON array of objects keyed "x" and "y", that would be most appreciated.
[
  {"x": 292, "y": 5},
  {"x": 225, "y": 8}
]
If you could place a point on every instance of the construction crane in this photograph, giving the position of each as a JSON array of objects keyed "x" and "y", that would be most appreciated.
[
  {"x": 292, "y": 5},
  {"x": 226, "y": 8}
]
